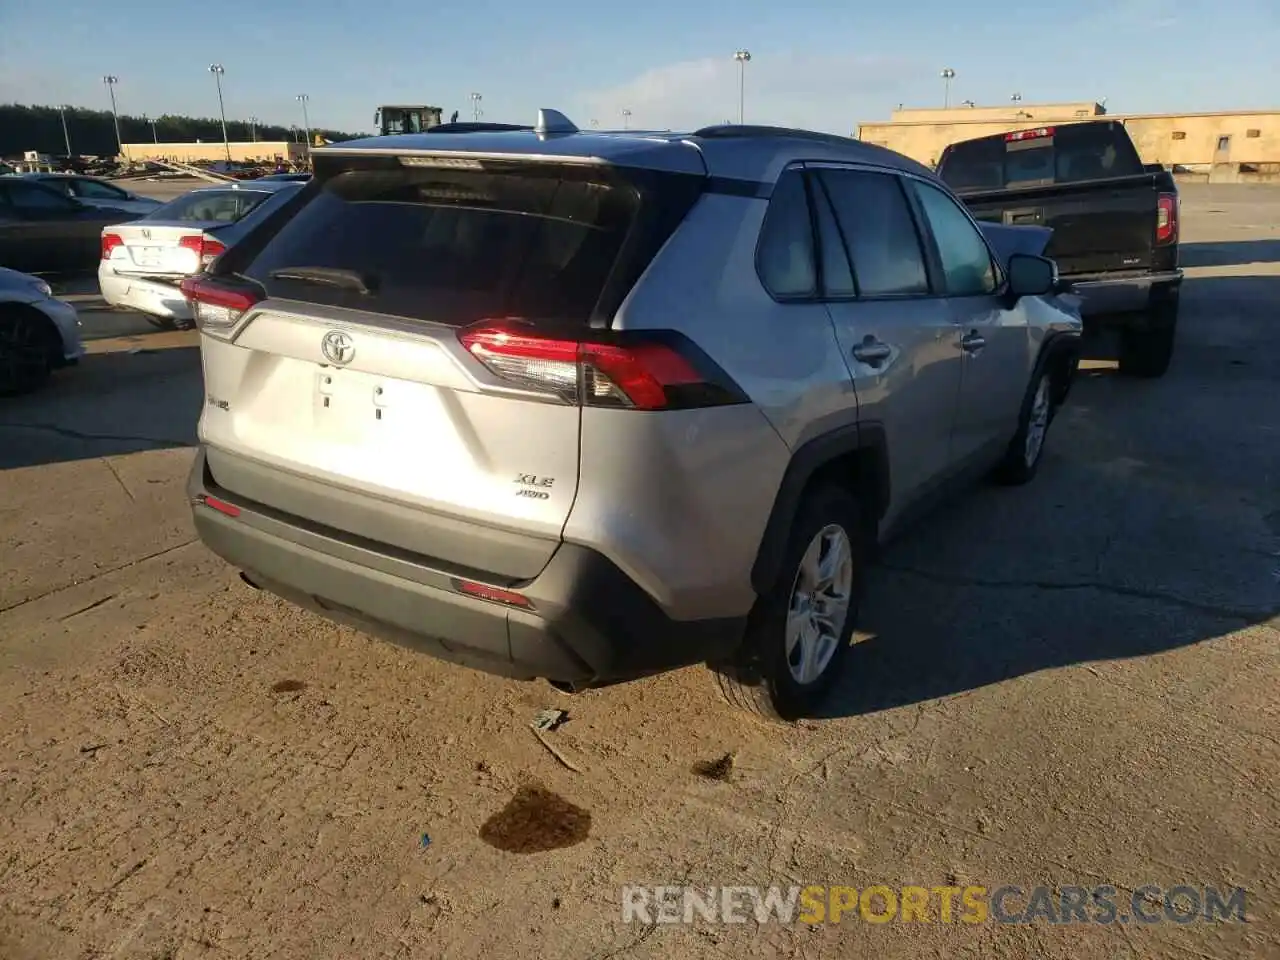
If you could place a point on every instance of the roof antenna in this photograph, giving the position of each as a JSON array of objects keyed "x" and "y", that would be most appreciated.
[{"x": 553, "y": 121}]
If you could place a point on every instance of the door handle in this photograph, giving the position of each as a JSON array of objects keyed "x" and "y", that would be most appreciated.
[
  {"x": 972, "y": 342},
  {"x": 872, "y": 351}
]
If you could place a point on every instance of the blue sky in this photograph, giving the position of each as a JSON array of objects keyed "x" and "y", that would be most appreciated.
[{"x": 822, "y": 64}]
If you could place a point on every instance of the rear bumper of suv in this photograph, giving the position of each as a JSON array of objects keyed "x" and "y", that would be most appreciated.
[{"x": 587, "y": 622}]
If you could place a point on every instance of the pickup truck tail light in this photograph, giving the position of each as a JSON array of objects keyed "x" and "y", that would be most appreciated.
[{"x": 1167, "y": 219}]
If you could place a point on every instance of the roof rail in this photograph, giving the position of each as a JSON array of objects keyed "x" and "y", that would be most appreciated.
[
  {"x": 726, "y": 131},
  {"x": 478, "y": 126}
]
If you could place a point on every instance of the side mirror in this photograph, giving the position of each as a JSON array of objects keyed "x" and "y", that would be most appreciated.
[{"x": 1031, "y": 276}]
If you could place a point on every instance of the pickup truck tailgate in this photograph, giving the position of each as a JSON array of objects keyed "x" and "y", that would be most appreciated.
[{"x": 1098, "y": 226}]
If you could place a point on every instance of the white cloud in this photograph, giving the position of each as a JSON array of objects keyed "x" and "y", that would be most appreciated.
[{"x": 829, "y": 93}]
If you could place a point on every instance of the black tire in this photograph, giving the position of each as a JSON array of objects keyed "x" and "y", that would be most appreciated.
[
  {"x": 1147, "y": 350},
  {"x": 1146, "y": 353},
  {"x": 760, "y": 678},
  {"x": 1021, "y": 462},
  {"x": 28, "y": 345}
]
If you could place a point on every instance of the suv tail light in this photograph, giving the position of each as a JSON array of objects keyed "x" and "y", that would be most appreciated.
[
  {"x": 639, "y": 370},
  {"x": 216, "y": 307},
  {"x": 109, "y": 242},
  {"x": 1167, "y": 218},
  {"x": 206, "y": 248}
]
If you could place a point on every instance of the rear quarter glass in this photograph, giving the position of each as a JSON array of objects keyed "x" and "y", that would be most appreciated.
[{"x": 537, "y": 241}]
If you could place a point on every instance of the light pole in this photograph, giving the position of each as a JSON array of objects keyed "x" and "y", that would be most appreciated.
[
  {"x": 1016, "y": 98},
  {"x": 475, "y": 107},
  {"x": 155, "y": 137},
  {"x": 217, "y": 71},
  {"x": 66, "y": 137},
  {"x": 111, "y": 80},
  {"x": 253, "y": 129},
  {"x": 302, "y": 98},
  {"x": 626, "y": 119},
  {"x": 743, "y": 57},
  {"x": 947, "y": 76}
]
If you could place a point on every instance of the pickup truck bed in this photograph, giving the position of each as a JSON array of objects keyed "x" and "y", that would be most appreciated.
[{"x": 1114, "y": 222}]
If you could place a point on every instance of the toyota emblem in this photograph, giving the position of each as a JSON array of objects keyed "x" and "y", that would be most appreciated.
[{"x": 337, "y": 347}]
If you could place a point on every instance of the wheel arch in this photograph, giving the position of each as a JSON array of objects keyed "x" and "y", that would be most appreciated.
[
  {"x": 1060, "y": 354},
  {"x": 856, "y": 456}
]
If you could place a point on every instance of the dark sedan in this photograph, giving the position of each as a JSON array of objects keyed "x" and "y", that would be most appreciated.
[{"x": 41, "y": 230}]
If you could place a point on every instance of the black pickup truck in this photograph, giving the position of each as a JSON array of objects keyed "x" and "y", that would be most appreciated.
[{"x": 1114, "y": 222}]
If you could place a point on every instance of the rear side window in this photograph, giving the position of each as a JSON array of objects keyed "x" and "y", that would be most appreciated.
[
  {"x": 226, "y": 206},
  {"x": 454, "y": 245},
  {"x": 784, "y": 257},
  {"x": 93, "y": 190},
  {"x": 1069, "y": 154},
  {"x": 879, "y": 231}
]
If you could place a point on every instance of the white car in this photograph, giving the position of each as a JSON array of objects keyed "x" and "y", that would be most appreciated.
[
  {"x": 94, "y": 192},
  {"x": 144, "y": 261},
  {"x": 38, "y": 332}
]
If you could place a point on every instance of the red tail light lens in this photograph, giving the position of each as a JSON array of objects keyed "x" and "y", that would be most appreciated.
[
  {"x": 1167, "y": 218},
  {"x": 217, "y": 308},
  {"x": 109, "y": 242},
  {"x": 206, "y": 248},
  {"x": 643, "y": 371}
]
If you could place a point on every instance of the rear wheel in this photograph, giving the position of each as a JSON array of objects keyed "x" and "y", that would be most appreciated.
[
  {"x": 1146, "y": 351},
  {"x": 800, "y": 632},
  {"x": 27, "y": 347}
]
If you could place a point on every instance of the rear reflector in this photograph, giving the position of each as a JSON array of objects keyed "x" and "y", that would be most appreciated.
[
  {"x": 483, "y": 591},
  {"x": 1035, "y": 134},
  {"x": 221, "y": 506},
  {"x": 215, "y": 307},
  {"x": 109, "y": 242},
  {"x": 206, "y": 248},
  {"x": 1167, "y": 218},
  {"x": 647, "y": 370}
]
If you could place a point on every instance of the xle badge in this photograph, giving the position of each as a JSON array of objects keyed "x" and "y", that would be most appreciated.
[{"x": 533, "y": 486}]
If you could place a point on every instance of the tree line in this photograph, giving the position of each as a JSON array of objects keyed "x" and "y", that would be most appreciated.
[{"x": 93, "y": 133}]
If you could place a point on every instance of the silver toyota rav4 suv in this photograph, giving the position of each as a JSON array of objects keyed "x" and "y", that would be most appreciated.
[{"x": 586, "y": 406}]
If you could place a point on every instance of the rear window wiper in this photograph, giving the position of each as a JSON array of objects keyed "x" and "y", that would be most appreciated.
[{"x": 333, "y": 276}]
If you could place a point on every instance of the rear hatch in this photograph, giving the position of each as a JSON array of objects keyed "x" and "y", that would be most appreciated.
[
  {"x": 379, "y": 365},
  {"x": 180, "y": 238},
  {"x": 1084, "y": 181}
]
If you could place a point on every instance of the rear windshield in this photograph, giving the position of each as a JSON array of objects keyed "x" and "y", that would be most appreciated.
[
  {"x": 456, "y": 245},
  {"x": 1069, "y": 154},
  {"x": 226, "y": 206}
]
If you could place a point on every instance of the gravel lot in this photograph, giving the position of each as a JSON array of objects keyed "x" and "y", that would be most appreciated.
[{"x": 1072, "y": 683}]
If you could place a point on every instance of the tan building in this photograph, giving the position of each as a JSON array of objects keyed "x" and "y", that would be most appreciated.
[
  {"x": 1191, "y": 140},
  {"x": 266, "y": 150}
]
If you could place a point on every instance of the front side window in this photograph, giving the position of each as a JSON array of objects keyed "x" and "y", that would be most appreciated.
[
  {"x": 966, "y": 260},
  {"x": 784, "y": 258}
]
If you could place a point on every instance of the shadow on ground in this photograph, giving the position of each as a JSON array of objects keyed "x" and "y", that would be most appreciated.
[
  {"x": 1228, "y": 253},
  {"x": 110, "y": 403}
]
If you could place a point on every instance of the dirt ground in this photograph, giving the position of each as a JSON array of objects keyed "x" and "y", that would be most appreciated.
[{"x": 1072, "y": 683}]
